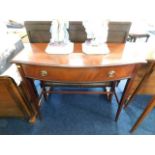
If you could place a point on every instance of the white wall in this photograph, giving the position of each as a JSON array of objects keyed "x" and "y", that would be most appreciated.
[{"x": 76, "y": 9}]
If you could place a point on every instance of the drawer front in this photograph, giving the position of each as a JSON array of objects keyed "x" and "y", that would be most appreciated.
[{"x": 63, "y": 74}]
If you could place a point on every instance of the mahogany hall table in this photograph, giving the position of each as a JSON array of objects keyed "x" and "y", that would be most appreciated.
[{"x": 120, "y": 63}]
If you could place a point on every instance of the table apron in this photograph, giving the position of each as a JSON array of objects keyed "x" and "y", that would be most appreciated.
[{"x": 87, "y": 74}]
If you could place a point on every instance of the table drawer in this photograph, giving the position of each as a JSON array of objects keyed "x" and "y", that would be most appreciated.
[{"x": 88, "y": 74}]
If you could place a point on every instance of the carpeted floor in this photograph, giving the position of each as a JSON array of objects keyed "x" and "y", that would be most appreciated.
[{"x": 82, "y": 115}]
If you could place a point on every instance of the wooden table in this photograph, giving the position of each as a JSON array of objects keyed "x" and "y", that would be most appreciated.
[{"x": 78, "y": 67}]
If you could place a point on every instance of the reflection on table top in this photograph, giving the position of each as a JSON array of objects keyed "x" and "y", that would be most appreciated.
[{"x": 120, "y": 54}]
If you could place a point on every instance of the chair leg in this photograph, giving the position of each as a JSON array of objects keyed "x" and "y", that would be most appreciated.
[{"x": 146, "y": 111}]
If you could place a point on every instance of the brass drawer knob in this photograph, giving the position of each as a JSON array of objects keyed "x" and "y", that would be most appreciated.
[
  {"x": 44, "y": 73},
  {"x": 111, "y": 73}
]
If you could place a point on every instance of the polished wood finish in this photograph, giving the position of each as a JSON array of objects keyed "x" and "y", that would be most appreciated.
[
  {"x": 148, "y": 86},
  {"x": 146, "y": 111},
  {"x": 144, "y": 84},
  {"x": 30, "y": 93},
  {"x": 13, "y": 102},
  {"x": 78, "y": 67},
  {"x": 120, "y": 54},
  {"x": 39, "y": 31},
  {"x": 145, "y": 76},
  {"x": 75, "y": 75}
]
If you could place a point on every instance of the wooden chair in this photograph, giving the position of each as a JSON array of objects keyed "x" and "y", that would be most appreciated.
[
  {"x": 13, "y": 102},
  {"x": 39, "y": 31}
]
